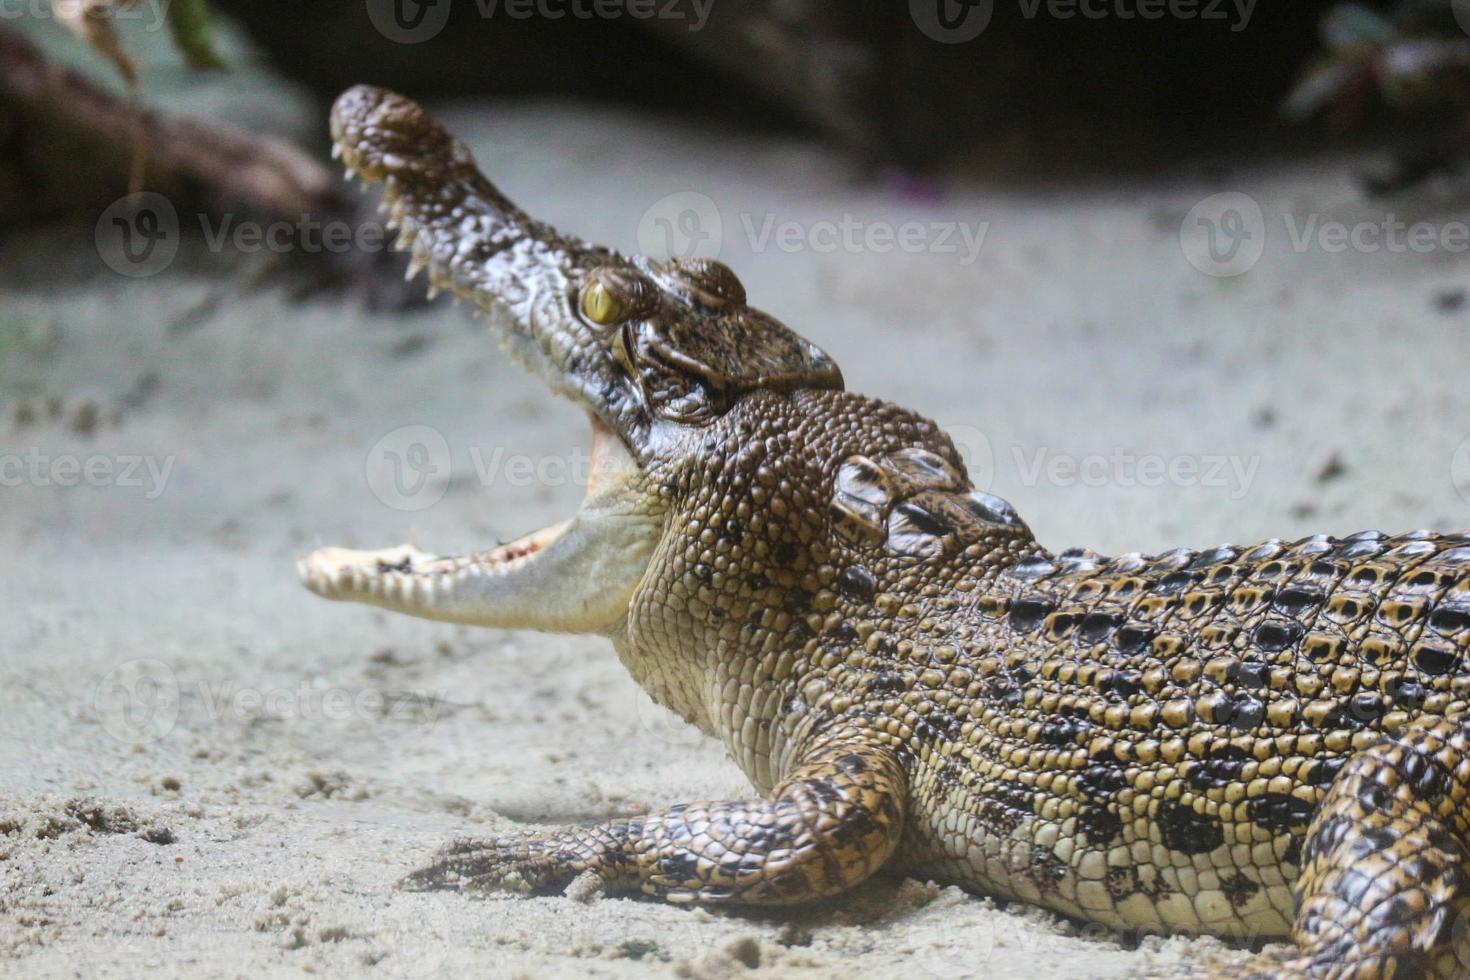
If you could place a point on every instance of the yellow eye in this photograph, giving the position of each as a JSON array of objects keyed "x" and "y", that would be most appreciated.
[{"x": 599, "y": 304}]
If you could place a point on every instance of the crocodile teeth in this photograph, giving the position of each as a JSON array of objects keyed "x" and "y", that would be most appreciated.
[{"x": 416, "y": 263}]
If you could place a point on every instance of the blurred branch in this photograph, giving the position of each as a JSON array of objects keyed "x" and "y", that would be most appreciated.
[{"x": 228, "y": 164}]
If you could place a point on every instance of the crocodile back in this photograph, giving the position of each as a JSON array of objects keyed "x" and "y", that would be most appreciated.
[{"x": 1150, "y": 736}]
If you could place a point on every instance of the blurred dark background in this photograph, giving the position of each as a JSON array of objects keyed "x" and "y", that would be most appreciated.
[
  {"x": 863, "y": 73},
  {"x": 1042, "y": 89}
]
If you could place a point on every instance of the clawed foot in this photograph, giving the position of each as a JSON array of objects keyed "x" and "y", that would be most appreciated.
[{"x": 524, "y": 864}]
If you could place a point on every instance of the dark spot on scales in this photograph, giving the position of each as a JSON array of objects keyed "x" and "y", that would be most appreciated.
[
  {"x": 1296, "y": 601},
  {"x": 1448, "y": 620},
  {"x": 855, "y": 580},
  {"x": 786, "y": 554},
  {"x": 1272, "y": 637},
  {"x": 1099, "y": 825},
  {"x": 1096, "y": 626},
  {"x": 1176, "y": 582},
  {"x": 1252, "y": 675},
  {"x": 1213, "y": 773},
  {"x": 1325, "y": 771},
  {"x": 1239, "y": 889},
  {"x": 679, "y": 866},
  {"x": 1433, "y": 660},
  {"x": 1133, "y": 638},
  {"x": 1028, "y": 614},
  {"x": 1278, "y": 811},
  {"x": 1189, "y": 832}
]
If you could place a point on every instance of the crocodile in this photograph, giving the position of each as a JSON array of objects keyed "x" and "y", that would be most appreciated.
[{"x": 1255, "y": 742}]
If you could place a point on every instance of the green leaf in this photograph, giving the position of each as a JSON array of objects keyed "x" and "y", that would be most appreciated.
[{"x": 189, "y": 21}]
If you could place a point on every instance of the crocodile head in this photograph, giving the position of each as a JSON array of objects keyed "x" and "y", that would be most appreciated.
[
  {"x": 745, "y": 514},
  {"x": 656, "y": 352}
]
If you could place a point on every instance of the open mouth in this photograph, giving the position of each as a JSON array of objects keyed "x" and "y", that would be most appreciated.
[
  {"x": 577, "y": 576},
  {"x": 574, "y": 576}
]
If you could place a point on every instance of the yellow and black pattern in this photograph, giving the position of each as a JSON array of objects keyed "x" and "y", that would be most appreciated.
[{"x": 1253, "y": 742}]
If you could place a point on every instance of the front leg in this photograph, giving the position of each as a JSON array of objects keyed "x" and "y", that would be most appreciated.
[{"x": 824, "y": 829}]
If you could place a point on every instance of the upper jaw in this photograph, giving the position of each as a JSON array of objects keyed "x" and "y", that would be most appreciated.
[
  {"x": 476, "y": 243},
  {"x": 576, "y": 576}
]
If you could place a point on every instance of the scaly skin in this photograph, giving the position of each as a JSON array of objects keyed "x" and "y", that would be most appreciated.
[{"x": 1251, "y": 742}]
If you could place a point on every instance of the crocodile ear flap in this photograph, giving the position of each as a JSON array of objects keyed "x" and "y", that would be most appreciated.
[{"x": 708, "y": 284}]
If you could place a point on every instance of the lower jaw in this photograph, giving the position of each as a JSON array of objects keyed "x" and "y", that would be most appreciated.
[{"x": 577, "y": 576}]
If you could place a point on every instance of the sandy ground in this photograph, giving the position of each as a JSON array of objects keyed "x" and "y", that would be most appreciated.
[{"x": 205, "y": 771}]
